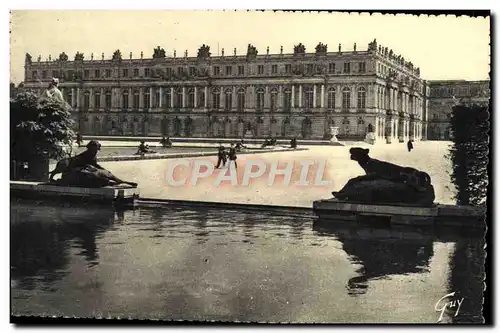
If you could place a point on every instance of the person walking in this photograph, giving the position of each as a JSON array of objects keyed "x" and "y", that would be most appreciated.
[
  {"x": 232, "y": 156},
  {"x": 410, "y": 145},
  {"x": 221, "y": 157}
]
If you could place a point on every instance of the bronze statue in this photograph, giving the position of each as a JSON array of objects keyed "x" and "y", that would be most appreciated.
[
  {"x": 83, "y": 171},
  {"x": 386, "y": 183}
]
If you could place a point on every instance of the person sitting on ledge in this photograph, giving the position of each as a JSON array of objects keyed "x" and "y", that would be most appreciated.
[
  {"x": 83, "y": 171},
  {"x": 144, "y": 149},
  {"x": 239, "y": 146},
  {"x": 165, "y": 142},
  {"x": 269, "y": 142}
]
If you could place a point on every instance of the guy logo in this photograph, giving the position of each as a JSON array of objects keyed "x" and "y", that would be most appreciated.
[{"x": 446, "y": 302}]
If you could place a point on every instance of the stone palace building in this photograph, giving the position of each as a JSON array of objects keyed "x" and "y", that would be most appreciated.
[
  {"x": 444, "y": 95},
  {"x": 281, "y": 95}
]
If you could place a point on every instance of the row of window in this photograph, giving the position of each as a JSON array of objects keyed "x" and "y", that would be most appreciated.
[
  {"x": 193, "y": 71},
  {"x": 455, "y": 91},
  {"x": 177, "y": 99}
]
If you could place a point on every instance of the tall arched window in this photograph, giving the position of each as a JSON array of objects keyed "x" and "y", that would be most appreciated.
[
  {"x": 287, "y": 99},
  {"x": 86, "y": 100},
  {"x": 168, "y": 98},
  {"x": 309, "y": 95},
  {"x": 241, "y": 99},
  {"x": 157, "y": 98},
  {"x": 228, "y": 99},
  {"x": 125, "y": 99},
  {"x": 331, "y": 98},
  {"x": 201, "y": 98},
  {"x": 97, "y": 100},
  {"x": 216, "y": 98},
  {"x": 147, "y": 98},
  {"x": 107, "y": 100},
  {"x": 260, "y": 99},
  {"x": 274, "y": 99},
  {"x": 191, "y": 98},
  {"x": 178, "y": 99},
  {"x": 361, "y": 98},
  {"x": 135, "y": 101},
  {"x": 346, "y": 98}
]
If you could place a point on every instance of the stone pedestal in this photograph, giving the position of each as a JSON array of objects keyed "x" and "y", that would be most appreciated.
[
  {"x": 333, "y": 132},
  {"x": 370, "y": 138}
]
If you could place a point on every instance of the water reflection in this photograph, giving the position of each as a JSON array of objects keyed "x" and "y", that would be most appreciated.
[
  {"x": 215, "y": 264},
  {"x": 42, "y": 236},
  {"x": 466, "y": 279},
  {"x": 380, "y": 252}
]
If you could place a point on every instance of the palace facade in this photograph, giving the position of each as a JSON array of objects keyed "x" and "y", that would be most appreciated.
[
  {"x": 281, "y": 95},
  {"x": 444, "y": 95}
]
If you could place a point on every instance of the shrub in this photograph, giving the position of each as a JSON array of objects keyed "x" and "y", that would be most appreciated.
[
  {"x": 470, "y": 129},
  {"x": 39, "y": 128}
]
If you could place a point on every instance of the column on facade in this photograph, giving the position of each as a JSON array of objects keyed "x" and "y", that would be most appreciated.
[
  {"x": 394, "y": 99},
  {"x": 141, "y": 98},
  {"x": 322, "y": 96},
  {"x": 151, "y": 97},
  {"x": 103, "y": 98},
  {"x": 338, "y": 96},
  {"x": 130, "y": 98},
  {"x": 279, "y": 102},
  {"x": 195, "y": 97},
  {"x": 183, "y": 97},
  {"x": 78, "y": 97},
  {"x": 383, "y": 93},
  {"x": 73, "y": 97},
  {"x": 234, "y": 100},
  {"x": 172, "y": 97},
  {"x": 160, "y": 102},
  {"x": 91, "y": 98},
  {"x": 354, "y": 97},
  {"x": 293, "y": 96},
  {"x": 314, "y": 96},
  {"x": 300, "y": 95},
  {"x": 206, "y": 97}
]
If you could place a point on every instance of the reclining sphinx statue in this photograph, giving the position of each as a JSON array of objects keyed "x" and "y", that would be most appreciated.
[
  {"x": 83, "y": 171},
  {"x": 386, "y": 183}
]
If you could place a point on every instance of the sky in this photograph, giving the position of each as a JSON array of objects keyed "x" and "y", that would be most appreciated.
[{"x": 444, "y": 47}]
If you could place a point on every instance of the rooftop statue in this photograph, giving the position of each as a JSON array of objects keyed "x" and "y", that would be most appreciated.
[
  {"x": 372, "y": 46},
  {"x": 27, "y": 58},
  {"x": 251, "y": 51},
  {"x": 204, "y": 51},
  {"x": 79, "y": 56},
  {"x": 321, "y": 48},
  {"x": 386, "y": 183},
  {"x": 159, "y": 53},
  {"x": 299, "y": 49},
  {"x": 117, "y": 55}
]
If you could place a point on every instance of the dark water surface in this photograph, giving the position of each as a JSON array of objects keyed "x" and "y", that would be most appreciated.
[{"x": 186, "y": 264}]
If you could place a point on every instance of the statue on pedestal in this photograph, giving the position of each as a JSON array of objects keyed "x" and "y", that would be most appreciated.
[
  {"x": 83, "y": 171},
  {"x": 386, "y": 183}
]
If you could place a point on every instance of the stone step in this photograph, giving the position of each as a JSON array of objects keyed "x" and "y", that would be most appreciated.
[
  {"x": 437, "y": 215},
  {"x": 122, "y": 194}
]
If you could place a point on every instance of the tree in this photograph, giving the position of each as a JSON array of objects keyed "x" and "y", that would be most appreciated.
[
  {"x": 39, "y": 128},
  {"x": 470, "y": 129}
]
